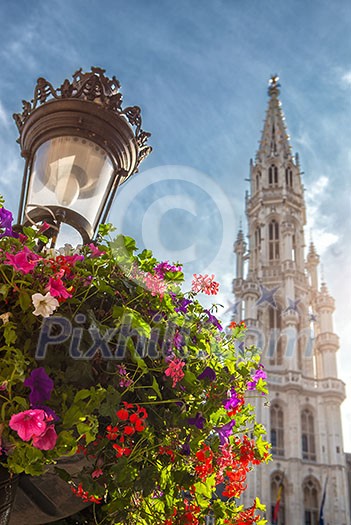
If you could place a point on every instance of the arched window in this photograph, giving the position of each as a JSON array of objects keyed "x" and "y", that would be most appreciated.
[
  {"x": 277, "y": 499},
  {"x": 289, "y": 177},
  {"x": 294, "y": 249},
  {"x": 307, "y": 435},
  {"x": 273, "y": 175},
  {"x": 273, "y": 240},
  {"x": 277, "y": 430},
  {"x": 275, "y": 347},
  {"x": 310, "y": 503}
]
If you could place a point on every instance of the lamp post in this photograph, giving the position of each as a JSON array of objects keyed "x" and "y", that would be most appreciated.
[{"x": 79, "y": 145}]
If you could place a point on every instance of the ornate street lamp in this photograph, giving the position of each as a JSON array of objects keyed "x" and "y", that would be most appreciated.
[{"x": 79, "y": 145}]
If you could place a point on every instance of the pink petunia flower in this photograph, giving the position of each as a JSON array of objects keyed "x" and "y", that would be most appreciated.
[
  {"x": 29, "y": 423},
  {"x": 205, "y": 284},
  {"x": 175, "y": 370},
  {"x": 23, "y": 261},
  {"x": 95, "y": 252},
  {"x": 46, "y": 440},
  {"x": 57, "y": 289}
]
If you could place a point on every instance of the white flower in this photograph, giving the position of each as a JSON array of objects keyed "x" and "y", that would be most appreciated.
[
  {"x": 44, "y": 305},
  {"x": 5, "y": 317}
]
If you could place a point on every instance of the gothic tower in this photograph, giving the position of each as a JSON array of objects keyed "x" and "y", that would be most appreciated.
[{"x": 289, "y": 316}]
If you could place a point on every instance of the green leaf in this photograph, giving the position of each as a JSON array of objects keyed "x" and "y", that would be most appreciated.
[
  {"x": 21, "y": 401},
  {"x": 66, "y": 444},
  {"x": 105, "y": 229},
  {"x": 72, "y": 416},
  {"x": 4, "y": 290},
  {"x": 29, "y": 232},
  {"x": 82, "y": 394},
  {"x": 10, "y": 333},
  {"x": 24, "y": 300},
  {"x": 156, "y": 388}
]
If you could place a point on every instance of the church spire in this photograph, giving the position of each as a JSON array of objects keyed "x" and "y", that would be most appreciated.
[{"x": 275, "y": 140}]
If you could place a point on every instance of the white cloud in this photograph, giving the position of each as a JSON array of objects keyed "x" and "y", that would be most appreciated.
[
  {"x": 4, "y": 119},
  {"x": 346, "y": 79},
  {"x": 322, "y": 237}
]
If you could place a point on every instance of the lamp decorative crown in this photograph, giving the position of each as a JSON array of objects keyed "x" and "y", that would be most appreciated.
[{"x": 92, "y": 86}]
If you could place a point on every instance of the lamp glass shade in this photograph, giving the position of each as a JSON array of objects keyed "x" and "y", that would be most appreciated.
[{"x": 72, "y": 173}]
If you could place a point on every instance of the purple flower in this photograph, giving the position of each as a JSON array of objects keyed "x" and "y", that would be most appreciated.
[
  {"x": 208, "y": 373},
  {"x": 178, "y": 340},
  {"x": 41, "y": 386},
  {"x": 198, "y": 421},
  {"x": 183, "y": 305},
  {"x": 163, "y": 267},
  {"x": 225, "y": 431},
  {"x": 5, "y": 223},
  {"x": 157, "y": 493},
  {"x": 259, "y": 374},
  {"x": 5, "y": 218},
  {"x": 185, "y": 450},
  {"x": 233, "y": 401},
  {"x": 213, "y": 320}
]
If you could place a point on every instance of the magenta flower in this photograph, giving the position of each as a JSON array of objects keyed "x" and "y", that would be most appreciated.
[
  {"x": 57, "y": 289},
  {"x": 163, "y": 267},
  {"x": 233, "y": 401},
  {"x": 225, "y": 431},
  {"x": 46, "y": 440},
  {"x": 50, "y": 413},
  {"x": 44, "y": 227},
  {"x": 208, "y": 373},
  {"x": 125, "y": 381},
  {"x": 29, "y": 423},
  {"x": 41, "y": 386},
  {"x": 95, "y": 252},
  {"x": 23, "y": 261},
  {"x": 175, "y": 370},
  {"x": 72, "y": 259},
  {"x": 259, "y": 374}
]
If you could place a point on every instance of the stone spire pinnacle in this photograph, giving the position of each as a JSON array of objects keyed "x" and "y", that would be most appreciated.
[{"x": 275, "y": 140}]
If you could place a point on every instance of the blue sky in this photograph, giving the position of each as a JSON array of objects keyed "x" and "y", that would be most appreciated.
[{"x": 199, "y": 70}]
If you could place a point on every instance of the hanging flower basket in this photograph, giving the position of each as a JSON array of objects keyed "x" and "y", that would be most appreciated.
[
  {"x": 8, "y": 486},
  {"x": 104, "y": 355}
]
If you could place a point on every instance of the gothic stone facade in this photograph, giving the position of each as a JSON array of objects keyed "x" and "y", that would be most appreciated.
[{"x": 289, "y": 316}]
